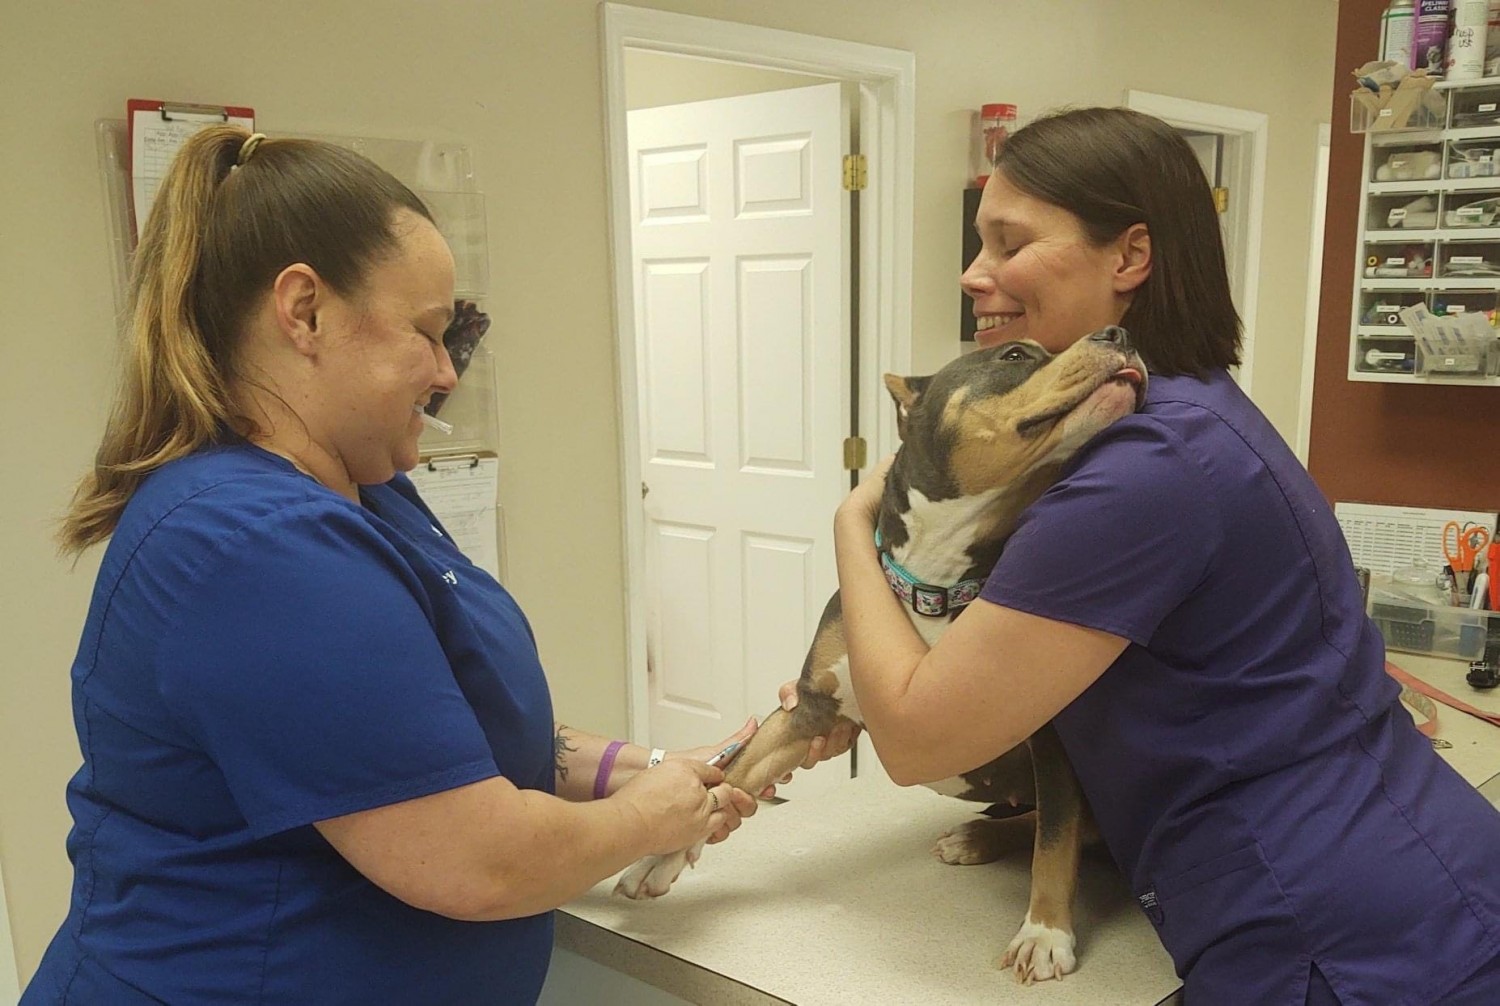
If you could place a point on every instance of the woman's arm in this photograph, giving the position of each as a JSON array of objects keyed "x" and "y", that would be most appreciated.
[
  {"x": 577, "y": 757},
  {"x": 989, "y": 683},
  {"x": 490, "y": 851}
]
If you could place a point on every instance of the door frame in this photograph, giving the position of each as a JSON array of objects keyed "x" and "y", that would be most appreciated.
[
  {"x": 1314, "y": 295},
  {"x": 886, "y": 79},
  {"x": 10, "y": 981},
  {"x": 1244, "y": 165}
]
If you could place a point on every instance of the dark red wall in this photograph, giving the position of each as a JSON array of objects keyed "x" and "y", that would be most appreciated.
[{"x": 1432, "y": 446}]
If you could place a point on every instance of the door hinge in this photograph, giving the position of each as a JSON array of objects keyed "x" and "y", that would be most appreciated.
[
  {"x": 1221, "y": 199},
  {"x": 854, "y": 453},
  {"x": 856, "y": 172}
]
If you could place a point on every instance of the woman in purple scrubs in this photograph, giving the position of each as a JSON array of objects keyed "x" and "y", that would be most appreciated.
[{"x": 1182, "y": 606}]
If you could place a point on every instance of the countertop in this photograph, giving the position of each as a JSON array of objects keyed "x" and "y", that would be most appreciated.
[{"x": 837, "y": 899}]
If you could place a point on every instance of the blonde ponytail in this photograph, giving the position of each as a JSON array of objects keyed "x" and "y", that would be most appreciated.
[{"x": 171, "y": 398}]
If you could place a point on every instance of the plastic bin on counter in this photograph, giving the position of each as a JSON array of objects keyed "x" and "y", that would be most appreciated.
[{"x": 1411, "y": 621}]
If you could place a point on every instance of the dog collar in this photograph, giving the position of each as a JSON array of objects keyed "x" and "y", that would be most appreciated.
[{"x": 925, "y": 598}]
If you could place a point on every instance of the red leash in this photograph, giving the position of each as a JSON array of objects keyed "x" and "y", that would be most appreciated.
[{"x": 1421, "y": 687}]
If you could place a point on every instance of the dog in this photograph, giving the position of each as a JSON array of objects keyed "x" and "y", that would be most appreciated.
[{"x": 980, "y": 441}]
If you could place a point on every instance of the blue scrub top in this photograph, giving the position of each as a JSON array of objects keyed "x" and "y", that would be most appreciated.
[
  {"x": 261, "y": 654},
  {"x": 1247, "y": 759}
]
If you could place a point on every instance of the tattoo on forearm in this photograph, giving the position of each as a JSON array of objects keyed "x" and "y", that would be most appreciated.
[{"x": 559, "y": 749}]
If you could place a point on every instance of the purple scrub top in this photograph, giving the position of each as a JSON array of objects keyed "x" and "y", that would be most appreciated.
[{"x": 1271, "y": 804}]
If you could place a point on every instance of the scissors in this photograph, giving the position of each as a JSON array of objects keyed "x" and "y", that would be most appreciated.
[{"x": 1462, "y": 543}]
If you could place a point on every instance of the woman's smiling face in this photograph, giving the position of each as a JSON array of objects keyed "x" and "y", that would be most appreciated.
[{"x": 1037, "y": 275}]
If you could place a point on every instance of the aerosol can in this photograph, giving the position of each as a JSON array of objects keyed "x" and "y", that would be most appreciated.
[{"x": 1396, "y": 24}]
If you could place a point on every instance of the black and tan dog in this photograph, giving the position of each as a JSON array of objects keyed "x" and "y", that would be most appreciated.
[{"x": 980, "y": 440}]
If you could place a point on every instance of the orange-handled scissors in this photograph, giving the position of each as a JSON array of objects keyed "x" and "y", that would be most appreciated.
[{"x": 1462, "y": 542}]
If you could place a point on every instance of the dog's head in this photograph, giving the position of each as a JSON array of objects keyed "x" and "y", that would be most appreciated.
[{"x": 996, "y": 417}]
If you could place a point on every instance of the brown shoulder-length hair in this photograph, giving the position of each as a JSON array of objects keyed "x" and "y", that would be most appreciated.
[
  {"x": 1112, "y": 168},
  {"x": 217, "y": 236}
]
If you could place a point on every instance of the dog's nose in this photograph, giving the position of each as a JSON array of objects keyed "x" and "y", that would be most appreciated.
[{"x": 1114, "y": 335}]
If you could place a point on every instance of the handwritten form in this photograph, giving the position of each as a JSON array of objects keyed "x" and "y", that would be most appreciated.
[
  {"x": 463, "y": 493},
  {"x": 155, "y": 136}
]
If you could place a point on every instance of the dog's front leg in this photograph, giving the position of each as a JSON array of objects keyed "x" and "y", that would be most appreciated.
[
  {"x": 776, "y": 748},
  {"x": 1044, "y": 947}
]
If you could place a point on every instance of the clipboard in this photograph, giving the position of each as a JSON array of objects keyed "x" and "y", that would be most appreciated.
[
  {"x": 463, "y": 491},
  {"x": 155, "y": 130}
]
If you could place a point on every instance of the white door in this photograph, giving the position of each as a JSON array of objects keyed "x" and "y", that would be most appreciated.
[{"x": 740, "y": 251}]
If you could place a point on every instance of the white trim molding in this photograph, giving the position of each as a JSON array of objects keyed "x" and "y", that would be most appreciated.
[
  {"x": 1314, "y": 295},
  {"x": 887, "y": 83},
  {"x": 1246, "y": 176},
  {"x": 10, "y": 978}
]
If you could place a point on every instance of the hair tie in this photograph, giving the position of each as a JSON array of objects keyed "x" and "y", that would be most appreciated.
[{"x": 247, "y": 149}]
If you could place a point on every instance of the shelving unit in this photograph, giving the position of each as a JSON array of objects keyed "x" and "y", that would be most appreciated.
[{"x": 1442, "y": 261}]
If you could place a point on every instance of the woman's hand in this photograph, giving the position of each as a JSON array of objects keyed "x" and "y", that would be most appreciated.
[
  {"x": 864, "y": 499},
  {"x": 839, "y": 740},
  {"x": 683, "y": 802},
  {"x": 741, "y": 736},
  {"x": 703, "y": 754}
]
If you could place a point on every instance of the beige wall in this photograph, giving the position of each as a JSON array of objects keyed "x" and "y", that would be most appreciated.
[
  {"x": 519, "y": 81},
  {"x": 662, "y": 78}
]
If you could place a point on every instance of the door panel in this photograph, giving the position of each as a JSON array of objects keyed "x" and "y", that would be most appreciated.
[{"x": 741, "y": 258}]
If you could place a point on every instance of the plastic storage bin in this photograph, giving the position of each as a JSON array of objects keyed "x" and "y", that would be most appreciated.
[
  {"x": 1410, "y": 623},
  {"x": 1472, "y": 357},
  {"x": 1395, "y": 109}
]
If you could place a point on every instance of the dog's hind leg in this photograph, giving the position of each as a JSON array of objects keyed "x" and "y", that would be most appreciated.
[
  {"x": 776, "y": 748},
  {"x": 985, "y": 840},
  {"x": 1044, "y": 946}
]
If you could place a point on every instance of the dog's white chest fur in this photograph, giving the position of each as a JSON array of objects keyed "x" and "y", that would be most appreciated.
[{"x": 936, "y": 551}]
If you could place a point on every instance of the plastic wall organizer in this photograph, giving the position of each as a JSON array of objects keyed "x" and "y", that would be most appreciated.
[{"x": 1429, "y": 234}]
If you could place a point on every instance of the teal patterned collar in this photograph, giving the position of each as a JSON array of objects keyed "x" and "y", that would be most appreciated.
[{"x": 925, "y": 598}]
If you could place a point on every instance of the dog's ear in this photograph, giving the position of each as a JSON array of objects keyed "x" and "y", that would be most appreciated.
[{"x": 905, "y": 391}]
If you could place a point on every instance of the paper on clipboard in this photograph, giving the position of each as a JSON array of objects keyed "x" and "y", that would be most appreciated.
[
  {"x": 157, "y": 130},
  {"x": 463, "y": 492}
]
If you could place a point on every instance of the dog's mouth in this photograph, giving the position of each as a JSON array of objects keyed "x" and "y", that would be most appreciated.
[{"x": 1125, "y": 377}]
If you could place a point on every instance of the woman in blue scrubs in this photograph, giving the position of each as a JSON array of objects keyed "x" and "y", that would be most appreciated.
[
  {"x": 1183, "y": 608},
  {"x": 319, "y": 758}
]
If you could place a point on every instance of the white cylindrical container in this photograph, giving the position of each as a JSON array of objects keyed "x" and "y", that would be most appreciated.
[
  {"x": 1396, "y": 25},
  {"x": 1471, "y": 22}
]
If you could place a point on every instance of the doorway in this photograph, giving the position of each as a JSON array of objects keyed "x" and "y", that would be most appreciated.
[
  {"x": 1231, "y": 144},
  {"x": 722, "y": 599}
]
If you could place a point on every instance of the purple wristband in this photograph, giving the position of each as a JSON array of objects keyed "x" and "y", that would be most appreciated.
[{"x": 606, "y": 765}]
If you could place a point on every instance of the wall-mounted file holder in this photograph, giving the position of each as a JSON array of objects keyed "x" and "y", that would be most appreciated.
[
  {"x": 471, "y": 410},
  {"x": 112, "y": 144}
]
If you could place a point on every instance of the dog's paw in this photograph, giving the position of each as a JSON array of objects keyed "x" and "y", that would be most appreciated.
[
  {"x": 653, "y": 876},
  {"x": 969, "y": 844},
  {"x": 1039, "y": 952}
]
